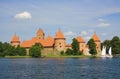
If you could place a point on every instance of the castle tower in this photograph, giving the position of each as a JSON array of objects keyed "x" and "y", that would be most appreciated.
[
  {"x": 97, "y": 42},
  {"x": 59, "y": 41},
  {"x": 40, "y": 34},
  {"x": 15, "y": 41},
  {"x": 82, "y": 44}
]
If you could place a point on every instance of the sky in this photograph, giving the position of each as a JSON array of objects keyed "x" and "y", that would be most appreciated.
[{"x": 73, "y": 17}]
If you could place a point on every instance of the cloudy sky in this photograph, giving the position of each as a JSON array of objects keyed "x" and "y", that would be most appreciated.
[{"x": 73, "y": 17}]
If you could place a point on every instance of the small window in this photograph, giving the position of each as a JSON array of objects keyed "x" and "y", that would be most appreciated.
[
  {"x": 60, "y": 46},
  {"x": 59, "y": 42}
]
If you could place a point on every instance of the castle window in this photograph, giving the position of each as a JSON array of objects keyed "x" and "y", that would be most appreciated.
[
  {"x": 59, "y": 42},
  {"x": 60, "y": 46}
]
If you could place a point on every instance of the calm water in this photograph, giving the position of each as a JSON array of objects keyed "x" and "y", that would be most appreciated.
[{"x": 60, "y": 68}]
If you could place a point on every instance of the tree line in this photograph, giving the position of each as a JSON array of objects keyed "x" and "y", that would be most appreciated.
[
  {"x": 7, "y": 50},
  {"x": 114, "y": 43},
  {"x": 35, "y": 51},
  {"x": 76, "y": 49}
]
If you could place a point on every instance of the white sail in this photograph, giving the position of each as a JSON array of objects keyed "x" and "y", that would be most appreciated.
[
  {"x": 103, "y": 51},
  {"x": 110, "y": 51}
]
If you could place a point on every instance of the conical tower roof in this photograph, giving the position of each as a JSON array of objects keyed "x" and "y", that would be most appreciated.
[
  {"x": 59, "y": 35},
  {"x": 96, "y": 38},
  {"x": 80, "y": 39},
  {"x": 15, "y": 39},
  {"x": 40, "y": 31}
]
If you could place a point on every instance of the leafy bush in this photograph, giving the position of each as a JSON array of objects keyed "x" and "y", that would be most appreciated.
[
  {"x": 62, "y": 52},
  {"x": 35, "y": 50},
  {"x": 69, "y": 52}
]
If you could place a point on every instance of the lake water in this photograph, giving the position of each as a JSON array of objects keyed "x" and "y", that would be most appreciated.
[{"x": 60, "y": 68}]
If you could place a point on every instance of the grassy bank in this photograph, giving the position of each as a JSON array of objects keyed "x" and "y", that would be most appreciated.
[
  {"x": 17, "y": 56},
  {"x": 69, "y": 56},
  {"x": 55, "y": 56}
]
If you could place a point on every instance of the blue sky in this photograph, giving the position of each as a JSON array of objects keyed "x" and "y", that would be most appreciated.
[{"x": 73, "y": 17}]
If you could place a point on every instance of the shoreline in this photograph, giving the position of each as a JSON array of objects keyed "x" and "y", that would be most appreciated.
[
  {"x": 54, "y": 56},
  {"x": 58, "y": 56}
]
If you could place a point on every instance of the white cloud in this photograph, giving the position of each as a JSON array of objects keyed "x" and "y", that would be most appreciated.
[
  {"x": 87, "y": 38},
  {"x": 70, "y": 33},
  {"x": 82, "y": 33},
  {"x": 103, "y": 34},
  {"x": 23, "y": 15},
  {"x": 100, "y": 19},
  {"x": 103, "y": 25}
]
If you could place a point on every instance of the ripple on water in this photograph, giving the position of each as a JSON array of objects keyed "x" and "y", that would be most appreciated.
[{"x": 60, "y": 68}]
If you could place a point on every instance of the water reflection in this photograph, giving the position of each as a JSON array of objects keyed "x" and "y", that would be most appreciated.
[{"x": 60, "y": 68}]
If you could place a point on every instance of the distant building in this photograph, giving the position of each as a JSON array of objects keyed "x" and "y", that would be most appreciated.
[
  {"x": 54, "y": 45},
  {"x": 98, "y": 43}
]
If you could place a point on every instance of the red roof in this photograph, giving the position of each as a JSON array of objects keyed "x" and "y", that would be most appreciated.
[
  {"x": 80, "y": 39},
  {"x": 95, "y": 37},
  {"x": 68, "y": 45},
  {"x": 15, "y": 39},
  {"x": 26, "y": 43},
  {"x": 59, "y": 34},
  {"x": 40, "y": 31},
  {"x": 48, "y": 42}
]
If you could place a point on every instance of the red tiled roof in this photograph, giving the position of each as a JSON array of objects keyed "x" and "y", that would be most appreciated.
[
  {"x": 68, "y": 45},
  {"x": 95, "y": 37},
  {"x": 26, "y": 43},
  {"x": 59, "y": 34},
  {"x": 80, "y": 39},
  {"x": 15, "y": 39},
  {"x": 49, "y": 41},
  {"x": 30, "y": 43}
]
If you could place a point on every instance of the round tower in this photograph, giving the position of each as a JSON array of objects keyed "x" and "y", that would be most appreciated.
[
  {"x": 59, "y": 41},
  {"x": 15, "y": 41}
]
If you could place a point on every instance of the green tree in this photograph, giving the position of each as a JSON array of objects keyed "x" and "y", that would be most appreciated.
[
  {"x": 115, "y": 44},
  {"x": 6, "y": 49},
  {"x": 35, "y": 50},
  {"x": 1, "y": 50},
  {"x": 69, "y": 52},
  {"x": 20, "y": 51},
  {"x": 62, "y": 52},
  {"x": 92, "y": 47},
  {"x": 75, "y": 46}
]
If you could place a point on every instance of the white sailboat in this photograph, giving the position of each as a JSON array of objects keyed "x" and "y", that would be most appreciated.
[
  {"x": 104, "y": 52},
  {"x": 110, "y": 52}
]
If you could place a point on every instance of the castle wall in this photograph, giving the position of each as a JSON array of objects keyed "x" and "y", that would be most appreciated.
[
  {"x": 27, "y": 51},
  {"x": 15, "y": 44},
  {"x": 68, "y": 48},
  {"x": 82, "y": 46}
]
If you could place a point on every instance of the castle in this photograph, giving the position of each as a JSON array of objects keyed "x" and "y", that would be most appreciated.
[{"x": 54, "y": 45}]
